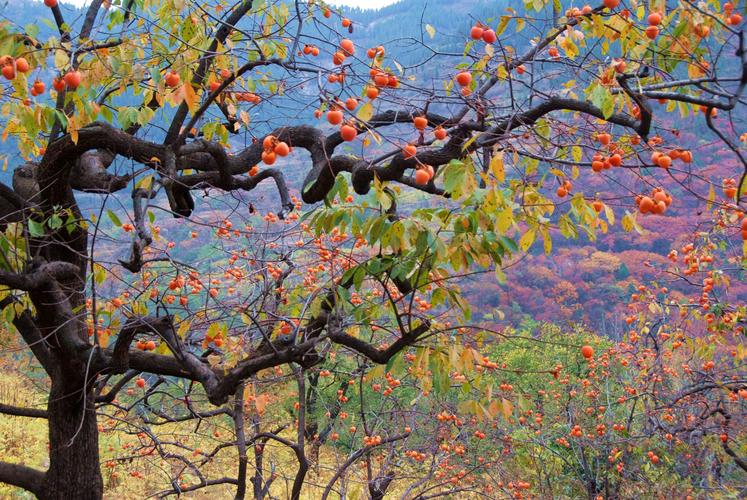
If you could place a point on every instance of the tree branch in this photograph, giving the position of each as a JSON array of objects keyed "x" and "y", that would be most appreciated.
[{"x": 24, "y": 477}]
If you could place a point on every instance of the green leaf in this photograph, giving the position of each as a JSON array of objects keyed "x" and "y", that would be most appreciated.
[
  {"x": 54, "y": 222},
  {"x": 36, "y": 229},
  {"x": 113, "y": 217},
  {"x": 99, "y": 273},
  {"x": 31, "y": 30}
]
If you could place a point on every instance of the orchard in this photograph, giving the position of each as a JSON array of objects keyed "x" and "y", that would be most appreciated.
[{"x": 238, "y": 241}]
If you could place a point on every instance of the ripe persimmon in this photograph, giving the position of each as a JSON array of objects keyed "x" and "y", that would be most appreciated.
[
  {"x": 281, "y": 149},
  {"x": 334, "y": 116},
  {"x": 476, "y": 32},
  {"x": 347, "y": 47},
  {"x": 38, "y": 87},
  {"x": 348, "y": 132},
  {"x": 172, "y": 79},
  {"x": 664, "y": 161},
  {"x": 420, "y": 122},
  {"x": 9, "y": 72},
  {"x": 22, "y": 65},
  {"x": 463, "y": 78},
  {"x": 338, "y": 58},
  {"x": 268, "y": 157},
  {"x": 422, "y": 177},
  {"x": 381, "y": 79},
  {"x": 646, "y": 205},
  {"x": 269, "y": 142},
  {"x": 372, "y": 92}
]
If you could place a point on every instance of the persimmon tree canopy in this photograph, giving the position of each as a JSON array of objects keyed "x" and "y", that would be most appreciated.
[{"x": 388, "y": 189}]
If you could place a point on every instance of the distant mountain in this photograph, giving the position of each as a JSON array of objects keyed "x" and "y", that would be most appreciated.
[{"x": 583, "y": 280}]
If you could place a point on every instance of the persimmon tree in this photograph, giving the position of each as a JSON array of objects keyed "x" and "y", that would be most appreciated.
[{"x": 279, "y": 319}]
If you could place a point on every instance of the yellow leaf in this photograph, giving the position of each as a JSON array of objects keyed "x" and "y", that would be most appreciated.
[
  {"x": 183, "y": 328},
  {"x": 507, "y": 409},
  {"x": 610, "y": 214},
  {"x": 72, "y": 128},
  {"x": 365, "y": 112},
  {"x": 163, "y": 349},
  {"x": 494, "y": 408},
  {"x": 502, "y": 25},
  {"x": 547, "y": 240},
  {"x": 61, "y": 59},
  {"x": 190, "y": 97},
  {"x": 695, "y": 70},
  {"x": 145, "y": 183},
  {"x": 504, "y": 220},
  {"x": 557, "y": 172},
  {"x": 260, "y": 402},
  {"x": 104, "y": 335},
  {"x": 431, "y": 30},
  {"x": 527, "y": 239},
  {"x": 627, "y": 223},
  {"x": 497, "y": 166},
  {"x": 711, "y": 197}
]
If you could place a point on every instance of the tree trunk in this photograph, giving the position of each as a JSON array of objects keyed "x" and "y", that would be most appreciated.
[{"x": 74, "y": 471}]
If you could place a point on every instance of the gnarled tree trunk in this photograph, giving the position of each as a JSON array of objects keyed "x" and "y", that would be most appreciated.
[{"x": 74, "y": 470}]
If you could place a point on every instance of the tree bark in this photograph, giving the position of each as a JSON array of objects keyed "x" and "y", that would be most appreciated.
[{"x": 74, "y": 469}]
